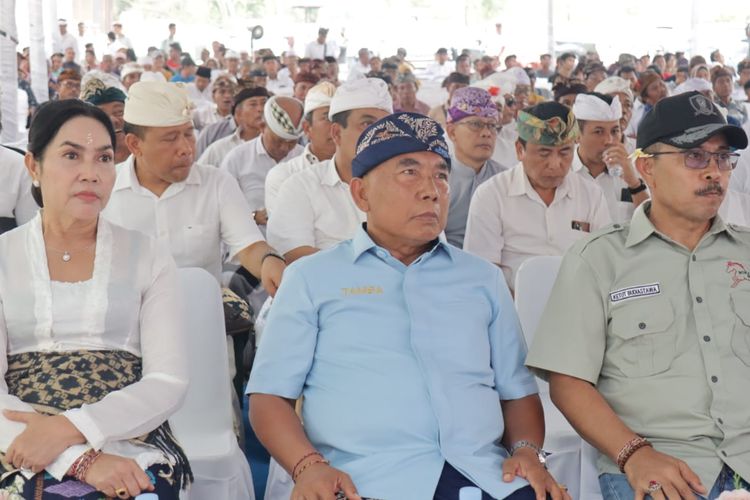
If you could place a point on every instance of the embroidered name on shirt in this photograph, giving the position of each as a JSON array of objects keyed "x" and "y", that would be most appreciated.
[
  {"x": 738, "y": 272},
  {"x": 635, "y": 292},
  {"x": 362, "y": 290}
]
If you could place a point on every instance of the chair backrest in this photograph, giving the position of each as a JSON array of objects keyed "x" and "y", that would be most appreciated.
[
  {"x": 206, "y": 411},
  {"x": 534, "y": 280}
]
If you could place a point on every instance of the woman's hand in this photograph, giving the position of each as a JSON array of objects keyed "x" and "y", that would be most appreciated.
[
  {"x": 43, "y": 440},
  {"x": 111, "y": 475}
]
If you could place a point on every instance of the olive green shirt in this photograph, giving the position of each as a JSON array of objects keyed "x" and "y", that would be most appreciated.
[{"x": 664, "y": 335}]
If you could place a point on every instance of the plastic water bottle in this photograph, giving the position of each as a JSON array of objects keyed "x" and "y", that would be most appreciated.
[
  {"x": 615, "y": 170},
  {"x": 469, "y": 493}
]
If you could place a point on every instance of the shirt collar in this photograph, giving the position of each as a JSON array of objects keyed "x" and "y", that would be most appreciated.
[
  {"x": 309, "y": 156},
  {"x": 331, "y": 175},
  {"x": 260, "y": 150},
  {"x": 362, "y": 243},
  {"x": 521, "y": 185},
  {"x": 641, "y": 226},
  {"x": 126, "y": 178},
  {"x": 462, "y": 169}
]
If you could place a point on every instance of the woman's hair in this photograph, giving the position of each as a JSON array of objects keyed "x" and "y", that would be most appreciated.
[{"x": 49, "y": 119}]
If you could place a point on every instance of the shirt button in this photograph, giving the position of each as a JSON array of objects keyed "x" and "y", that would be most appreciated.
[
  {"x": 616, "y": 226},
  {"x": 699, "y": 300},
  {"x": 724, "y": 453},
  {"x": 694, "y": 258},
  {"x": 714, "y": 378},
  {"x": 721, "y": 421},
  {"x": 642, "y": 326},
  {"x": 706, "y": 338}
]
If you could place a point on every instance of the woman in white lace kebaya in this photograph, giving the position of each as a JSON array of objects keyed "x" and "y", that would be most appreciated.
[{"x": 92, "y": 362}]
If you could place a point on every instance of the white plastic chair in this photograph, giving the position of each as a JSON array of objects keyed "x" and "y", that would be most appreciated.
[
  {"x": 590, "y": 489},
  {"x": 534, "y": 281},
  {"x": 204, "y": 423}
]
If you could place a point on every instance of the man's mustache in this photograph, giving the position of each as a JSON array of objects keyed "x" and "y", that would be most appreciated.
[{"x": 713, "y": 188}]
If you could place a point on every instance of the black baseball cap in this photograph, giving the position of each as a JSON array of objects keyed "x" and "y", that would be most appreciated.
[{"x": 686, "y": 121}]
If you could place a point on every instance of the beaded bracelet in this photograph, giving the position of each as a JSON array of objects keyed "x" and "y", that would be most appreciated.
[
  {"x": 627, "y": 451},
  {"x": 308, "y": 464},
  {"x": 312, "y": 453},
  {"x": 80, "y": 467}
]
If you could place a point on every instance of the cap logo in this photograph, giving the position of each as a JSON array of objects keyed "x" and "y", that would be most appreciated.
[{"x": 702, "y": 106}]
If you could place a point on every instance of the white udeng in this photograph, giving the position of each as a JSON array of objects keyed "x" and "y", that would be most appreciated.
[{"x": 130, "y": 304}]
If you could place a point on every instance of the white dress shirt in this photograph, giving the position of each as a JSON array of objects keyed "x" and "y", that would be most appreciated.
[
  {"x": 62, "y": 42},
  {"x": 505, "y": 146},
  {"x": 216, "y": 152},
  {"x": 129, "y": 304},
  {"x": 613, "y": 187},
  {"x": 280, "y": 86},
  {"x": 15, "y": 188},
  {"x": 358, "y": 70},
  {"x": 249, "y": 163},
  {"x": 194, "y": 216},
  {"x": 206, "y": 115},
  {"x": 438, "y": 72},
  {"x": 315, "y": 50},
  {"x": 281, "y": 172},
  {"x": 740, "y": 178},
  {"x": 314, "y": 208},
  {"x": 508, "y": 221},
  {"x": 201, "y": 98}
]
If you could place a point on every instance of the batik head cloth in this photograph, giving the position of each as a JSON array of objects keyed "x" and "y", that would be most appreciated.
[
  {"x": 397, "y": 134},
  {"x": 471, "y": 101},
  {"x": 279, "y": 121},
  {"x": 551, "y": 132}
]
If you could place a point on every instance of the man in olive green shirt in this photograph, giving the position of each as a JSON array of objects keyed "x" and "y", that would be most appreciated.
[{"x": 646, "y": 337}]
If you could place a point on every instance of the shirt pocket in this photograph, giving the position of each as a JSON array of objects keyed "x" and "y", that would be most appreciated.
[
  {"x": 643, "y": 342},
  {"x": 741, "y": 331}
]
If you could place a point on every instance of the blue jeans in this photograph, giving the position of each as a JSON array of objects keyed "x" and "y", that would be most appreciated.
[
  {"x": 451, "y": 481},
  {"x": 616, "y": 486}
]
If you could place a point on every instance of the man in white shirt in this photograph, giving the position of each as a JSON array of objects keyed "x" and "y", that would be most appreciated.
[
  {"x": 62, "y": 39},
  {"x": 248, "y": 113},
  {"x": 199, "y": 90},
  {"x": 317, "y": 129},
  {"x": 320, "y": 48},
  {"x": 250, "y": 162},
  {"x": 472, "y": 126},
  {"x": 222, "y": 92},
  {"x": 740, "y": 178},
  {"x": 539, "y": 207},
  {"x": 601, "y": 157},
  {"x": 360, "y": 68},
  {"x": 120, "y": 36},
  {"x": 16, "y": 204},
  {"x": 276, "y": 83},
  {"x": 616, "y": 86},
  {"x": 441, "y": 68},
  {"x": 162, "y": 193},
  {"x": 314, "y": 209}
]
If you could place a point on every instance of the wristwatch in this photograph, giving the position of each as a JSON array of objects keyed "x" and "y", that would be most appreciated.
[
  {"x": 638, "y": 189},
  {"x": 540, "y": 453}
]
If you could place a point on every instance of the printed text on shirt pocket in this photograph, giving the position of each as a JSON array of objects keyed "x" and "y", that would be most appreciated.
[{"x": 642, "y": 343}]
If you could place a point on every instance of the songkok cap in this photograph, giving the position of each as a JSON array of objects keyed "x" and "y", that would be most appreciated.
[
  {"x": 359, "y": 94},
  {"x": 248, "y": 93},
  {"x": 518, "y": 75},
  {"x": 471, "y": 101},
  {"x": 614, "y": 85},
  {"x": 686, "y": 121},
  {"x": 561, "y": 90},
  {"x": 158, "y": 104},
  {"x": 597, "y": 107},
  {"x": 96, "y": 92},
  {"x": 397, "y": 134},
  {"x": 129, "y": 68},
  {"x": 319, "y": 96},
  {"x": 258, "y": 72},
  {"x": 279, "y": 121},
  {"x": 553, "y": 131},
  {"x": 203, "y": 72},
  {"x": 693, "y": 84}
]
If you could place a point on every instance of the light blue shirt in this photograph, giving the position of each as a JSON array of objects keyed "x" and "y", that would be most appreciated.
[{"x": 402, "y": 367}]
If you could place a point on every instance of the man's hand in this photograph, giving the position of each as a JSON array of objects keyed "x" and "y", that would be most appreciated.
[
  {"x": 270, "y": 274},
  {"x": 321, "y": 482},
  {"x": 674, "y": 476},
  {"x": 110, "y": 473},
  {"x": 618, "y": 155},
  {"x": 43, "y": 440},
  {"x": 261, "y": 217},
  {"x": 525, "y": 463}
]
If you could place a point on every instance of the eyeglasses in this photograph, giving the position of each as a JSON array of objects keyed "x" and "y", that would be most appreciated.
[
  {"x": 478, "y": 125},
  {"x": 698, "y": 159}
]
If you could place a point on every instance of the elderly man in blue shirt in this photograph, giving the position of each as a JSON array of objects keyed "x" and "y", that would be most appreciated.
[{"x": 407, "y": 350}]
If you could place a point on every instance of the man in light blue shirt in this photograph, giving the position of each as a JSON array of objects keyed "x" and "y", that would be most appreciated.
[{"x": 407, "y": 351}]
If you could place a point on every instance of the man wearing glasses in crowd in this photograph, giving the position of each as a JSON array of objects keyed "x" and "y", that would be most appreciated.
[{"x": 646, "y": 337}]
